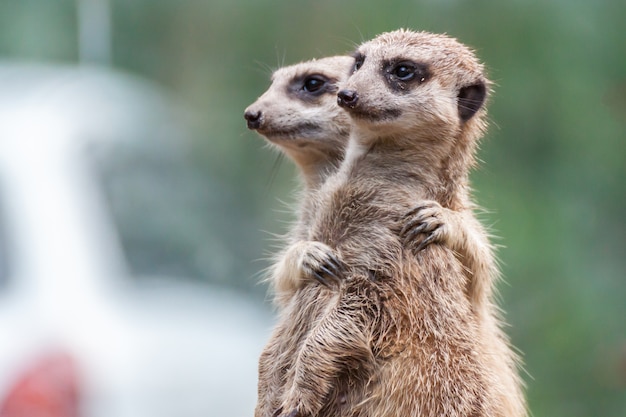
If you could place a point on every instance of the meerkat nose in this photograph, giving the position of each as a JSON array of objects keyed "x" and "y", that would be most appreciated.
[
  {"x": 347, "y": 98},
  {"x": 253, "y": 118}
]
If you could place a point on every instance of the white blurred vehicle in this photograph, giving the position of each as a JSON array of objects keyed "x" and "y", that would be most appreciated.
[{"x": 78, "y": 336}]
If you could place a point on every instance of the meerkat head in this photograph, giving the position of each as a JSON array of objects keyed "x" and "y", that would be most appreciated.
[
  {"x": 416, "y": 84},
  {"x": 299, "y": 114}
]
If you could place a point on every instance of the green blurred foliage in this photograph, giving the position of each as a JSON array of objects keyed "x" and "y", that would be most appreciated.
[{"x": 554, "y": 161}]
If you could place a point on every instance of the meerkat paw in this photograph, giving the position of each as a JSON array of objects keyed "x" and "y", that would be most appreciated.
[
  {"x": 321, "y": 263},
  {"x": 307, "y": 261},
  {"x": 425, "y": 224}
]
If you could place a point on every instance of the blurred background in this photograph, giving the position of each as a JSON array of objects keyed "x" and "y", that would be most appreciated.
[{"x": 137, "y": 211}]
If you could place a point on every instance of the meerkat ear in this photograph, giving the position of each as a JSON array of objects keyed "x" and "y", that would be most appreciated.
[{"x": 470, "y": 100}]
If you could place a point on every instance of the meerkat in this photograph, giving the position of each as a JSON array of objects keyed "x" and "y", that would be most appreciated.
[
  {"x": 400, "y": 335},
  {"x": 298, "y": 114}
]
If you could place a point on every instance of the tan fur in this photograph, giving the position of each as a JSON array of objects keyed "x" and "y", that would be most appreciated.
[
  {"x": 400, "y": 336},
  {"x": 284, "y": 115},
  {"x": 313, "y": 131},
  {"x": 318, "y": 154},
  {"x": 310, "y": 128},
  {"x": 282, "y": 112}
]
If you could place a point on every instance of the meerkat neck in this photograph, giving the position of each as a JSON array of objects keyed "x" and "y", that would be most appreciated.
[
  {"x": 459, "y": 162},
  {"x": 442, "y": 172},
  {"x": 355, "y": 151},
  {"x": 455, "y": 179},
  {"x": 315, "y": 167}
]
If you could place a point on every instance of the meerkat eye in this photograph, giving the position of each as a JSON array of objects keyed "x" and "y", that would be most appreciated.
[
  {"x": 404, "y": 72},
  {"x": 358, "y": 62},
  {"x": 313, "y": 83}
]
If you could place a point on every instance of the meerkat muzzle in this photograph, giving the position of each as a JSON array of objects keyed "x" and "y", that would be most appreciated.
[
  {"x": 253, "y": 118},
  {"x": 347, "y": 98}
]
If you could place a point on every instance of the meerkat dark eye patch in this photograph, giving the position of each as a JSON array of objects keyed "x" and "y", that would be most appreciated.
[
  {"x": 404, "y": 73},
  {"x": 400, "y": 75},
  {"x": 359, "y": 58},
  {"x": 309, "y": 87},
  {"x": 313, "y": 83},
  {"x": 470, "y": 100}
]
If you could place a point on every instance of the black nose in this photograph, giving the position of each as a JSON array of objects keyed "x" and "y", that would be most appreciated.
[
  {"x": 347, "y": 98},
  {"x": 253, "y": 118}
]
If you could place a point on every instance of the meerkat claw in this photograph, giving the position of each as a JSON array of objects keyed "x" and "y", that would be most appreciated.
[
  {"x": 335, "y": 263},
  {"x": 425, "y": 243},
  {"x": 424, "y": 219},
  {"x": 321, "y": 279},
  {"x": 414, "y": 231},
  {"x": 337, "y": 266},
  {"x": 327, "y": 273},
  {"x": 416, "y": 221},
  {"x": 327, "y": 268}
]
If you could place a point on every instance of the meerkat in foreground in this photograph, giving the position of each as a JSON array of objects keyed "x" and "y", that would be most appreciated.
[{"x": 399, "y": 335}]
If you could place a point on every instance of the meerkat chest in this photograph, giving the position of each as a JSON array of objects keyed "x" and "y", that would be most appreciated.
[{"x": 360, "y": 225}]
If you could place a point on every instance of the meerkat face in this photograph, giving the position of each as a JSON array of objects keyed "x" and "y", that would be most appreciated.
[
  {"x": 299, "y": 111},
  {"x": 413, "y": 82}
]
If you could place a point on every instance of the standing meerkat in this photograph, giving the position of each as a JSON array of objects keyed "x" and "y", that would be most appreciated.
[
  {"x": 400, "y": 335},
  {"x": 298, "y": 114}
]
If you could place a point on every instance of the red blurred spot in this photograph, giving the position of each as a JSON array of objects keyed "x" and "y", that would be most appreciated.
[{"x": 49, "y": 388}]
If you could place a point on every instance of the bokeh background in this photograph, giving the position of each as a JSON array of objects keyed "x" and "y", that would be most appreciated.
[{"x": 553, "y": 171}]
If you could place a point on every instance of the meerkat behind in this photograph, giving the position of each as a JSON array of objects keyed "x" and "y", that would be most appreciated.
[
  {"x": 298, "y": 114},
  {"x": 400, "y": 336}
]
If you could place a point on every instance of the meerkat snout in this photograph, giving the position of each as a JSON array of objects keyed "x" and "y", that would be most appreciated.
[
  {"x": 347, "y": 98},
  {"x": 253, "y": 118}
]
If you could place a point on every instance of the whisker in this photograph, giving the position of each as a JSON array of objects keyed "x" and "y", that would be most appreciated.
[
  {"x": 262, "y": 66},
  {"x": 274, "y": 171},
  {"x": 363, "y": 38},
  {"x": 350, "y": 44},
  {"x": 280, "y": 59}
]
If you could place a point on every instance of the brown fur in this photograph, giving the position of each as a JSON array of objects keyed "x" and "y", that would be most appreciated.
[
  {"x": 285, "y": 117},
  {"x": 284, "y": 114},
  {"x": 313, "y": 131},
  {"x": 400, "y": 336}
]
